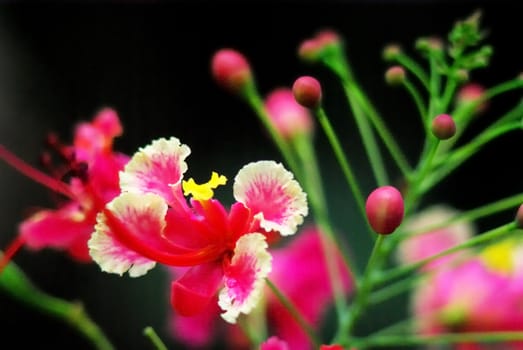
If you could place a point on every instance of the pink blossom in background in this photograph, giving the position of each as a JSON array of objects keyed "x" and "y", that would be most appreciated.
[
  {"x": 297, "y": 267},
  {"x": 470, "y": 297},
  {"x": 288, "y": 117},
  {"x": 426, "y": 244},
  {"x": 88, "y": 177}
]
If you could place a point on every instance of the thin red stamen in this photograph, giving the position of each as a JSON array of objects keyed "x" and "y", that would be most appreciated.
[
  {"x": 33, "y": 173},
  {"x": 11, "y": 251}
]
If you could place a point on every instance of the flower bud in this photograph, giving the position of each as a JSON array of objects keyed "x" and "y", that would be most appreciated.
[
  {"x": 395, "y": 75},
  {"x": 323, "y": 42},
  {"x": 519, "y": 217},
  {"x": 471, "y": 93},
  {"x": 231, "y": 70},
  {"x": 443, "y": 127},
  {"x": 462, "y": 75},
  {"x": 307, "y": 92},
  {"x": 391, "y": 51},
  {"x": 385, "y": 209},
  {"x": 287, "y": 116}
]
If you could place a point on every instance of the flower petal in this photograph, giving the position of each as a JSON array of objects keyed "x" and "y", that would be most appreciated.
[
  {"x": 138, "y": 222},
  {"x": 114, "y": 257},
  {"x": 192, "y": 292},
  {"x": 244, "y": 276},
  {"x": 156, "y": 168},
  {"x": 66, "y": 228},
  {"x": 272, "y": 195}
]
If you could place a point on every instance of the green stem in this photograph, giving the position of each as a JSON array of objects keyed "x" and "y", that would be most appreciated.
[
  {"x": 474, "y": 214},
  {"x": 342, "y": 160},
  {"x": 424, "y": 168},
  {"x": 445, "y": 338},
  {"x": 303, "y": 145},
  {"x": 154, "y": 338},
  {"x": 255, "y": 101},
  {"x": 16, "y": 284},
  {"x": 418, "y": 100},
  {"x": 362, "y": 293},
  {"x": 415, "y": 68},
  {"x": 386, "y": 136},
  {"x": 392, "y": 290},
  {"x": 475, "y": 241},
  {"x": 462, "y": 154},
  {"x": 367, "y": 135},
  {"x": 307, "y": 328}
]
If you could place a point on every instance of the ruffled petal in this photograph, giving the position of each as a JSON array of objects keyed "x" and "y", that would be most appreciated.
[
  {"x": 272, "y": 195},
  {"x": 192, "y": 292},
  {"x": 114, "y": 257},
  {"x": 138, "y": 222},
  {"x": 244, "y": 276},
  {"x": 156, "y": 168}
]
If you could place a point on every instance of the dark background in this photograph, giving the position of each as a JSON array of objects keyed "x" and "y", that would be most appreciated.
[{"x": 60, "y": 62}]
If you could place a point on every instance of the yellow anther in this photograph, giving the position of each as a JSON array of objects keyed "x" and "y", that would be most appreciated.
[
  {"x": 499, "y": 256},
  {"x": 203, "y": 191}
]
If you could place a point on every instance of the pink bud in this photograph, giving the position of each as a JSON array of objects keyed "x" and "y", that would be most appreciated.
[
  {"x": 312, "y": 49},
  {"x": 471, "y": 93},
  {"x": 287, "y": 116},
  {"x": 307, "y": 92},
  {"x": 519, "y": 217},
  {"x": 395, "y": 75},
  {"x": 443, "y": 127},
  {"x": 231, "y": 70},
  {"x": 385, "y": 209}
]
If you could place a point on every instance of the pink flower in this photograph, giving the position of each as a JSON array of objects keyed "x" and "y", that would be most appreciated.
[
  {"x": 88, "y": 179},
  {"x": 421, "y": 245},
  {"x": 469, "y": 298},
  {"x": 151, "y": 221},
  {"x": 288, "y": 117},
  {"x": 304, "y": 257}
]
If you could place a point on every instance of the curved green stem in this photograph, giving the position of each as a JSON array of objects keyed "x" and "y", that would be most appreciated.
[
  {"x": 414, "y": 68},
  {"x": 150, "y": 333},
  {"x": 460, "y": 155},
  {"x": 367, "y": 135},
  {"x": 386, "y": 136},
  {"x": 255, "y": 101},
  {"x": 446, "y": 338},
  {"x": 418, "y": 100},
  {"x": 307, "y": 328},
  {"x": 475, "y": 241},
  {"x": 15, "y": 283},
  {"x": 342, "y": 160},
  {"x": 305, "y": 151},
  {"x": 362, "y": 293}
]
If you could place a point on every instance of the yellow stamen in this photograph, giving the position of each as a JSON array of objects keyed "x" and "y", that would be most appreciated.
[
  {"x": 499, "y": 257},
  {"x": 203, "y": 191}
]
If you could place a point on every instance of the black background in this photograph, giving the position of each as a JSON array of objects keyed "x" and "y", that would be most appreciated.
[{"x": 60, "y": 62}]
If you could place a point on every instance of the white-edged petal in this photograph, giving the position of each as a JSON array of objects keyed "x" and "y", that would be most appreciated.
[
  {"x": 273, "y": 195},
  {"x": 156, "y": 168},
  {"x": 111, "y": 255},
  {"x": 244, "y": 277}
]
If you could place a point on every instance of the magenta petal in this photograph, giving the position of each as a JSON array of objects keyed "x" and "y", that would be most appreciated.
[
  {"x": 192, "y": 293},
  {"x": 56, "y": 228}
]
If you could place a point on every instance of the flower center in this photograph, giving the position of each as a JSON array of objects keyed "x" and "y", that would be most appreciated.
[{"x": 203, "y": 191}]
